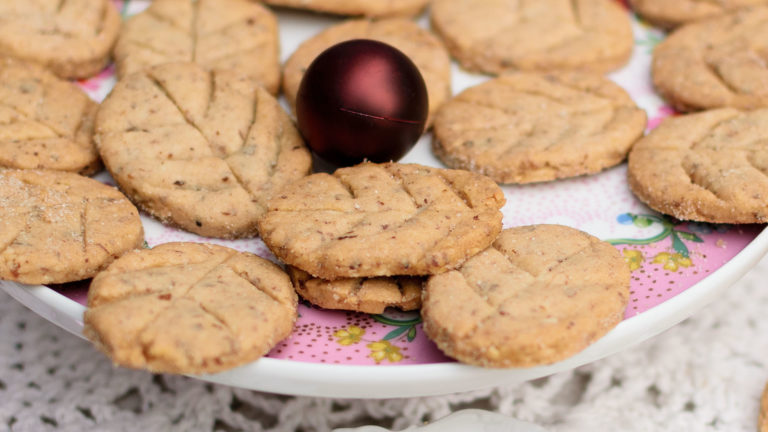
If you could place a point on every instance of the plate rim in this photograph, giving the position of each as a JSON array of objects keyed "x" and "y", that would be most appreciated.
[{"x": 294, "y": 377}]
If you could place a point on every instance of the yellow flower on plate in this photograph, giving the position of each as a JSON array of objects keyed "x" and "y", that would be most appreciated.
[
  {"x": 672, "y": 261},
  {"x": 350, "y": 335},
  {"x": 634, "y": 258},
  {"x": 383, "y": 350}
]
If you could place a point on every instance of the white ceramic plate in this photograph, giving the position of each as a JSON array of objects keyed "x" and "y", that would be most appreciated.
[{"x": 677, "y": 269}]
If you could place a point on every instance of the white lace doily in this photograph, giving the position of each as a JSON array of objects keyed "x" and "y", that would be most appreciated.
[{"x": 705, "y": 374}]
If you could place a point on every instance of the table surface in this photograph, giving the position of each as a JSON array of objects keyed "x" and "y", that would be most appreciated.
[{"x": 705, "y": 374}]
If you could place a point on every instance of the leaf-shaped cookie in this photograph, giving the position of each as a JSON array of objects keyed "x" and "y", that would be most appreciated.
[
  {"x": 189, "y": 308},
  {"x": 528, "y": 127},
  {"x": 58, "y": 227},
  {"x": 202, "y": 150},
  {"x": 72, "y": 38},
  {"x": 540, "y": 294},
  {"x": 710, "y": 166},
  {"x": 239, "y": 35},
  {"x": 45, "y": 122},
  {"x": 382, "y": 220}
]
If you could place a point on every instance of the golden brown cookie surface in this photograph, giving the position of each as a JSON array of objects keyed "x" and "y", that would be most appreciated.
[
  {"x": 45, "y": 122},
  {"x": 496, "y": 35},
  {"x": 72, "y": 38},
  {"x": 709, "y": 166},
  {"x": 538, "y": 295},
  {"x": 369, "y": 295},
  {"x": 381, "y": 220},
  {"x": 528, "y": 127},
  {"x": 240, "y": 35},
  {"x": 58, "y": 227},
  {"x": 189, "y": 308},
  {"x": 668, "y": 14},
  {"x": 719, "y": 62},
  {"x": 422, "y": 47},
  {"x": 202, "y": 150},
  {"x": 370, "y": 8}
]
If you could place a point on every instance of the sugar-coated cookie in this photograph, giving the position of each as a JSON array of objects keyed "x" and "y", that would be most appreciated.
[{"x": 58, "y": 227}]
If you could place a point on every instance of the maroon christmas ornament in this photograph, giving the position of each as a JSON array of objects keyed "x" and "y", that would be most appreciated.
[{"x": 361, "y": 99}]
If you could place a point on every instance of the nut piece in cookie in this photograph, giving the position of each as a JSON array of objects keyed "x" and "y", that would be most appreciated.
[
  {"x": 45, "y": 122},
  {"x": 715, "y": 63},
  {"x": 422, "y": 47},
  {"x": 189, "y": 308},
  {"x": 199, "y": 149},
  {"x": 710, "y": 166},
  {"x": 382, "y": 220},
  {"x": 492, "y": 36},
  {"x": 238, "y": 35},
  {"x": 369, "y": 295},
  {"x": 537, "y": 296},
  {"x": 71, "y": 38},
  {"x": 58, "y": 227},
  {"x": 529, "y": 127}
]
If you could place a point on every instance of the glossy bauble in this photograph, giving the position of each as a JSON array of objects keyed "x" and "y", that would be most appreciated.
[{"x": 361, "y": 99}]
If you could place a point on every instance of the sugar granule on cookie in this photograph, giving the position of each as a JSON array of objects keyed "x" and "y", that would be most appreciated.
[
  {"x": 382, "y": 220},
  {"x": 537, "y": 296},
  {"x": 58, "y": 227},
  {"x": 189, "y": 308}
]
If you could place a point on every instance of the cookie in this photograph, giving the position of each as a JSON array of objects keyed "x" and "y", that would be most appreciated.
[
  {"x": 58, "y": 227},
  {"x": 369, "y": 295},
  {"x": 422, "y": 47},
  {"x": 189, "y": 308},
  {"x": 382, "y": 220},
  {"x": 709, "y": 166},
  {"x": 498, "y": 35},
  {"x": 71, "y": 38},
  {"x": 45, "y": 122},
  {"x": 369, "y": 8},
  {"x": 720, "y": 62},
  {"x": 240, "y": 35},
  {"x": 538, "y": 295},
  {"x": 528, "y": 127},
  {"x": 669, "y": 14},
  {"x": 201, "y": 150}
]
